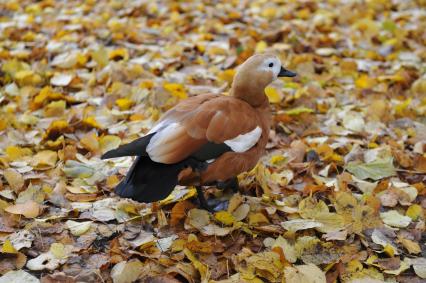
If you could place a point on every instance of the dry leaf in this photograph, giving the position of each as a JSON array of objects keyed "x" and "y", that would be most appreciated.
[
  {"x": 14, "y": 179},
  {"x": 29, "y": 209},
  {"x": 304, "y": 273}
]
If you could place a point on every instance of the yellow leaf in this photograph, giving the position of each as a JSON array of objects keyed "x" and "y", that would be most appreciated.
[
  {"x": 127, "y": 271},
  {"x": 266, "y": 264},
  {"x": 148, "y": 84},
  {"x": 399, "y": 108},
  {"x": 389, "y": 250},
  {"x": 224, "y": 217},
  {"x": 304, "y": 273},
  {"x": 30, "y": 209},
  {"x": 8, "y": 248},
  {"x": 124, "y": 103},
  {"x": 269, "y": 13},
  {"x": 365, "y": 82},
  {"x": 272, "y": 94},
  {"x": 257, "y": 218},
  {"x": 414, "y": 211},
  {"x": 91, "y": 122},
  {"x": 14, "y": 179},
  {"x": 12, "y": 67},
  {"x": 261, "y": 46},
  {"x": 202, "y": 269},
  {"x": 44, "y": 159},
  {"x": 176, "y": 90},
  {"x": 58, "y": 250},
  {"x": 411, "y": 246},
  {"x": 56, "y": 129},
  {"x": 90, "y": 142},
  {"x": 227, "y": 75},
  {"x": 15, "y": 152},
  {"x": 216, "y": 51},
  {"x": 298, "y": 110},
  {"x": 178, "y": 245},
  {"x": 276, "y": 159},
  {"x": 354, "y": 266},
  {"x": 112, "y": 181},
  {"x": 119, "y": 54},
  {"x": 100, "y": 56},
  {"x": 47, "y": 94},
  {"x": 55, "y": 108}
]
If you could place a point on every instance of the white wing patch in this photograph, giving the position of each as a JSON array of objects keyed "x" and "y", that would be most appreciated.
[
  {"x": 157, "y": 146},
  {"x": 159, "y": 126},
  {"x": 245, "y": 141}
]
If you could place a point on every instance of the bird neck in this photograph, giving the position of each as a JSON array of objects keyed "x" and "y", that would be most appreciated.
[{"x": 250, "y": 92}]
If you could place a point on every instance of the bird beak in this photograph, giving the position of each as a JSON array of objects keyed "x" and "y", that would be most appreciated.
[{"x": 286, "y": 73}]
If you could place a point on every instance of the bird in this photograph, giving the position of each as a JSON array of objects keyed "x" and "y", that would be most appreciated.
[{"x": 204, "y": 140}]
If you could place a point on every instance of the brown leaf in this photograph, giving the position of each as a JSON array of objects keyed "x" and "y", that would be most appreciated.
[{"x": 179, "y": 211}]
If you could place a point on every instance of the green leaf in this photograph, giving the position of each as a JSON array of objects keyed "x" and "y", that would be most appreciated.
[{"x": 376, "y": 170}]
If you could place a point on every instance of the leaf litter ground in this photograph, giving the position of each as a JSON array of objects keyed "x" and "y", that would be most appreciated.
[{"x": 340, "y": 196}]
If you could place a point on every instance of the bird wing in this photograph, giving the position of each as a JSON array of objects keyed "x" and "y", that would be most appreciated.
[{"x": 203, "y": 127}]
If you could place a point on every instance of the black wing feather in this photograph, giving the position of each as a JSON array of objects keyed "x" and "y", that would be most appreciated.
[
  {"x": 137, "y": 147},
  {"x": 210, "y": 150},
  {"x": 149, "y": 181},
  {"x": 134, "y": 148}
]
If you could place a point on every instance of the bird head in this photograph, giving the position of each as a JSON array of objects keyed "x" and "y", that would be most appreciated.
[{"x": 255, "y": 74}]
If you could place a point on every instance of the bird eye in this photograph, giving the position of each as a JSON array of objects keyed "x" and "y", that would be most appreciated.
[{"x": 271, "y": 65}]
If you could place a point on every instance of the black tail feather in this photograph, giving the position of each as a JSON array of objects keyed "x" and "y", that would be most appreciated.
[
  {"x": 134, "y": 148},
  {"x": 149, "y": 181}
]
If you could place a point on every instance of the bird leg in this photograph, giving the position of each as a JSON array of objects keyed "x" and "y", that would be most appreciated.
[
  {"x": 211, "y": 205},
  {"x": 202, "y": 199},
  {"x": 196, "y": 165},
  {"x": 231, "y": 183}
]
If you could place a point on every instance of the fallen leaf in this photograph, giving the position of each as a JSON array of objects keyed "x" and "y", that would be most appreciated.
[
  {"x": 198, "y": 218},
  {"x": 288, "y": 249},
  {"x": 304, "y": 273},
  {"x": 44, "y": 159},
  {"x": 414, "y": 212},
  {"x": 18, "y": 276},
  {"x": 394, "y": 219},
  {"x": 22, "y": 239},
  {"x": 78, "y": 228},
  {"x": 241, "y": 212},
  {"x": 60, "y": 79},
  {"x": 30, "y": 209},
  {"x": 14, "y": 179},
  {"x": 419, "y": 266},
  {"x": 375, "y": 170},
  {"x": 298, "y": 111},
  {"x": 224, "y": 217},
  {"x": 272, "y": 94},
  {"x": 411, "y": 246},
  {"x": 300, "y": 224},
  {"x": 126, "y": 271},
  {"x": 48, "y": 260},
  {"x": 8, "y": 247},
  {"x": 266, "y": 265}
]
